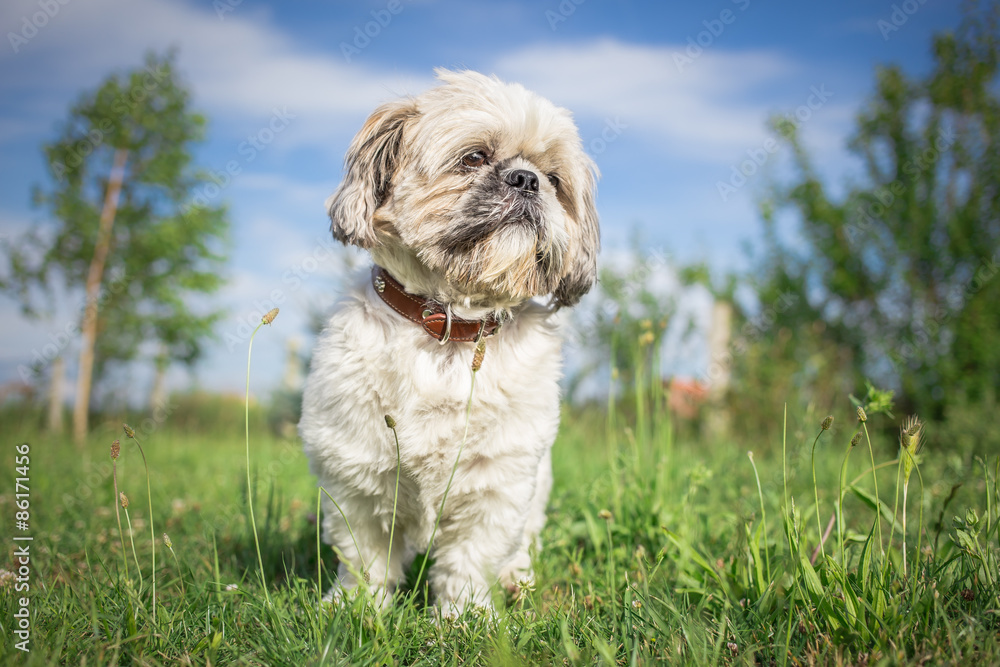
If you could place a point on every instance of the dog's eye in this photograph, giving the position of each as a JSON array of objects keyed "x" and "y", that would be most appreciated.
[
  {"x": 554, "y": 180},
  {"x": 474, "y": 159}
]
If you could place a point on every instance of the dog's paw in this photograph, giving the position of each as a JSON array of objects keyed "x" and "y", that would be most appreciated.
[
  {"x": 518, "y": 577},
  {"x": 451, "y": 611},
  {"x": 517, "y": 590},
  {"x": 338, "y": 594},
  {"x": 334, "y": 595}
]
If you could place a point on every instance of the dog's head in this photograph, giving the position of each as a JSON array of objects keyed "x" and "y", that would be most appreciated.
[{"x": 481, "y": 184}]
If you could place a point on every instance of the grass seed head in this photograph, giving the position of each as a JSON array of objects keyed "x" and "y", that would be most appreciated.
[
  {"x": 269, "y": 316},
  {"x": 477, "y": 358},
  {"x": 605, "y": 514},
  {"x": 128, "y": 431},
  {"x": 856, "y": 439},
  {"x": 390, "y": 422},
  {"x": 909, "y": 441},
  {"x": 124, "y": 500},
  {"x": 827, "y": 423},
  {"x": 116, "y": 449},
  {"x": 862, "y": 417},
  {"x": 166, "y": 540}
]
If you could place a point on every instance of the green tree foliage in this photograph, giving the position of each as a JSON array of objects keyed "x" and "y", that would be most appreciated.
[
  {"x": 136, "y": 131},
  {"x": 896, "y": 279}
]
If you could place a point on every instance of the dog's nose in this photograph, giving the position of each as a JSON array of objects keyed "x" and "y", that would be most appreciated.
[{"x": 522, "y": 179}]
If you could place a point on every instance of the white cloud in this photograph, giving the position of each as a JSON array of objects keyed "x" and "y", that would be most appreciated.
[
  {"x": 308, "y": 196},
  {"x": 239, "y": 66},
  {"x": 709, "y": 110},
  {"x": 700, "y": 110},
  {"x": 242, "y": 67}
]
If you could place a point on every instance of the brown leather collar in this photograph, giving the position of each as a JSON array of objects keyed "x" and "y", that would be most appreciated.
[{"x": 431, "y": 315}]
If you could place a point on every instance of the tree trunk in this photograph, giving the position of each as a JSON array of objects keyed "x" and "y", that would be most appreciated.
[
  {"x": 717, "y": 421},
  {"x": 158, "y": 394},
  {"x": 293, "y": 367},
  {"x": 56, "y": 380},
  {"x": 88, "y": 328}
]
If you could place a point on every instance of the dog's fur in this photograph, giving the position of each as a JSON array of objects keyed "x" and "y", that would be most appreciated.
[{"x": 474, "y": 238}]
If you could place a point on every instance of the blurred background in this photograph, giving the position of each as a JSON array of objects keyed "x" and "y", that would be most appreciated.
[{"x": 799, "y": 201}]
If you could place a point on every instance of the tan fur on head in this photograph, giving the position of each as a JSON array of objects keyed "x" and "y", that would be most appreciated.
[
  {"x": 457, "y": 231},
  {"x": 369, "y": 166}
]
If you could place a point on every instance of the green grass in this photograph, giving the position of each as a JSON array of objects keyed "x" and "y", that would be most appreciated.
[{"x": 656, "y": 550}]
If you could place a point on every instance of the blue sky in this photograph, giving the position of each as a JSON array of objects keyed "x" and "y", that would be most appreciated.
[{"x": 669, "y": 97}]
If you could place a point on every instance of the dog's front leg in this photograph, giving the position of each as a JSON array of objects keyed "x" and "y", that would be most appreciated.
[
  {"x": 517, "y": 571},
  {"x": 479, "y": 532},
  {"x": 363, "y": 549}
]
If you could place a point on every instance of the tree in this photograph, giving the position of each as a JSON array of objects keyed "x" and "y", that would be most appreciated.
[
  {"x": 121, "y": 233},
  {"x": 897, "y": 279}
]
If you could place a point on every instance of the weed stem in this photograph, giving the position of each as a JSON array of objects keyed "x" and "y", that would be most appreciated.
[{"x": 253, "y": 521}]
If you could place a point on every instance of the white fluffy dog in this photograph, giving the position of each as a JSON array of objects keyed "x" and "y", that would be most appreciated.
[{"x": 472, "y": 199}]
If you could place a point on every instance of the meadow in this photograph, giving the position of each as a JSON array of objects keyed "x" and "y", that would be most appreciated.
[{"x": 662, "y": 546}]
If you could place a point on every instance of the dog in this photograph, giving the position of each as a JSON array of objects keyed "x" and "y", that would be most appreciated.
[{"x": 475, "y": 201}]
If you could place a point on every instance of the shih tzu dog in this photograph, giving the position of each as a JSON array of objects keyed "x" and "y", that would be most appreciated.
[{"x": 475, "y": 201}]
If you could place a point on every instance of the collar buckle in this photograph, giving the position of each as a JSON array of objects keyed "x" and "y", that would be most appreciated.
[{"x": 436, "y": 319}]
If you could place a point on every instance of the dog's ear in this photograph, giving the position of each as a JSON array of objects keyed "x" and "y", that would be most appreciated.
[
  {"x": 368, "y": 168},
  {"x": 581, "y": 269}
]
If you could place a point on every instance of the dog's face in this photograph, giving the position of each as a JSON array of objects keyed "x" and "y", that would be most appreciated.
[{"x": 483, "y": 183}]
